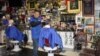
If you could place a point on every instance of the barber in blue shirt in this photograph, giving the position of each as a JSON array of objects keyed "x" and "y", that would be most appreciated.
[{"x": 35, "y": 22}]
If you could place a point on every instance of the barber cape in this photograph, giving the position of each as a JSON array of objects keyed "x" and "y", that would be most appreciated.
[
  {"x": 49, "y": 33},
  {"x": 13, "y": 33}
]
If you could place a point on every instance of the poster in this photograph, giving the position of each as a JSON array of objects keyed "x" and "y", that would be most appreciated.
[{"x": 88, "y": 7}]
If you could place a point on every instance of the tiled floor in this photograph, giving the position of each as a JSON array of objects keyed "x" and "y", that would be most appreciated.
[
  {"x": 71, "y": 53},
  {"x": 67, "y": 52},
  {"x": 28, "y": 52},
  {"x": 23, "y": 52}
]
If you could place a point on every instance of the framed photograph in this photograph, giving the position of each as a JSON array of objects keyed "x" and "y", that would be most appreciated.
[
  {"x": 32, "y": 4},
  {"x": 97, "y": 25},
  {"x": 74, "y": 6},
  {"x": 80, "y": 20},
  {"x": 89, "y": 29},
  {"x": 88, "y": 7},
  {"x": 97, "y": 14},
  {"x": 67, "y": 18},
  {"x": 89, "y": 21},
  {"x": 97, "y": 31}
]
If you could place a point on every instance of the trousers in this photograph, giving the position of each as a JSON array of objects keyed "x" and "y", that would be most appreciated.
[{"x": 35, "y": 47}]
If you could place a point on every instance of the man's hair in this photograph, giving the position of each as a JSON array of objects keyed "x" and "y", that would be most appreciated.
[{"x": 37, "y": 11}]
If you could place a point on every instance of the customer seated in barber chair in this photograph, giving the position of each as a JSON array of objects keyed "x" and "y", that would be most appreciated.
[
  {"x": 13, "y": 35},
  {"x": 49, "y": 40}
]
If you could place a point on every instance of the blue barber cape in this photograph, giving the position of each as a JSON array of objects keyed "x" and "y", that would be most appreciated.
[
  {"x": 35, "y": 31},
  {"x": 51, "y": 35},
  {"x": 13, "y": 33}
]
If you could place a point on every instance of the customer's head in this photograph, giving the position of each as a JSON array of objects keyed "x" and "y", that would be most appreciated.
[
  {"x": 46, "y": 22},
  {"x": 11, "y": 22}
]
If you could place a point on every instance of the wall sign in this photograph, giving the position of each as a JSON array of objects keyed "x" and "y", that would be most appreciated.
[{"x": 67, "y": 39}]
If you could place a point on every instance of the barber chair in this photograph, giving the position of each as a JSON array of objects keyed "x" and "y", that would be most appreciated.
[
  {"x": 16, "y": 45},
  {"x": 48, "y": 49}
]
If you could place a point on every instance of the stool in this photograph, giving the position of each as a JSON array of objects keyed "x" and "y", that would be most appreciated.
[
  {"x": 16, "y": 46},
  {"x": 50, "y": 50}
]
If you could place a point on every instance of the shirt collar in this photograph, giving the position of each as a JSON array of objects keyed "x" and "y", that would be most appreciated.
[{"x": 46, "y": 26}]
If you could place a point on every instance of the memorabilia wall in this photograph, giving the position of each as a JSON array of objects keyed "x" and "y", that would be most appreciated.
[
  {"x": 88, "y": 14},
  {"x": 89, "y": 20},
  {"x": 85, "y": 20},
  {"x": 71, "y": 15}
]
